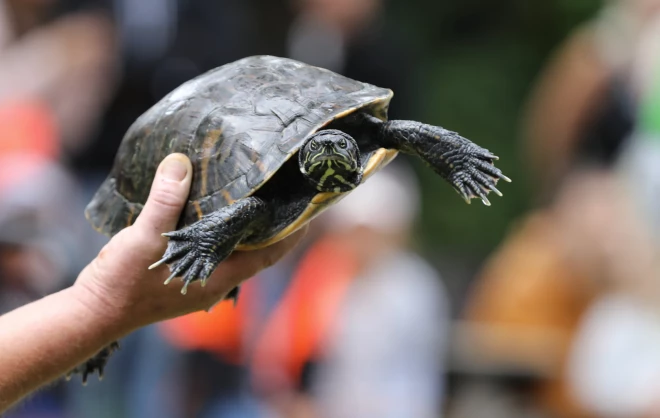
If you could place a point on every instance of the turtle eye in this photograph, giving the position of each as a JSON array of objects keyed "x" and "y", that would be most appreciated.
[
  {"x": 314, "y": 146},
  {"x": 343, "y": 143}
]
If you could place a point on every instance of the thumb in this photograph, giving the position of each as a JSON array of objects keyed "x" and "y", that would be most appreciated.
[{"x": 168, "y": 195}]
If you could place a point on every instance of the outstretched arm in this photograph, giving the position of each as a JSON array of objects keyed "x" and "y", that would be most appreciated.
[
  {"x": 49, "y": 337},
  {"x": 115, "y": 294}
]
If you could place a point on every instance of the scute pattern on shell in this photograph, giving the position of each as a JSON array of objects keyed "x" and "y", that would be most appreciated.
[{"x": 238, "y": 124}]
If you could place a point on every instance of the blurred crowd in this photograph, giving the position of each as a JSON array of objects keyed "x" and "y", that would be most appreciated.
[{"x": 562, "y": 320}]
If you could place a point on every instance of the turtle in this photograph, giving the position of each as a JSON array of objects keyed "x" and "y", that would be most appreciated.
[{"x": 273, "y": 143}]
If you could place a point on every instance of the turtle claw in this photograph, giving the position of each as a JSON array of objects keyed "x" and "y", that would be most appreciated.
[
  {"x": 181, "y": 266},
  {"x": 184, "y": 289},
  {"x": 192, "y": 274},
  {"x": 195, "y": 265},
  {"x": 179, "y": 234},
  {"x": 195, "y": 251},
  {"x": 169, "y": 279},
  {"x": 494, "y": 190},
  {"x": 200, "y": 269},
  {"x": 94, "y": 364},
  {"x": 175, "y": 250},
  {"x": 157, "y": 263},
  {"x": 473, "y": 173}
]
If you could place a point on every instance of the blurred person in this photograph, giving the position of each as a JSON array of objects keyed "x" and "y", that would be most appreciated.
[
  {"x": 58, "y": 68},
  {"x": 526, "y": 309},
  {"x": 161, "y": 44},
  {"x": 583, "y": 107},
  {"x": 615, "y": 363},
  {"x": 47, "y": 338},
  {"x": 37, "y": 195},
  {"x": 323, "y": 30},
  {"x": 361, "y": 330},
  {"x": 385, "y": 352},
  {"x": 216, "y": 348},
  {"x": 202, "y": 364},
  {"x": 526, "y": 316},
  {"x": 640, "y": 158},
  {"x": 63, "y": 62},
  {"x": 40, "y": 236},
  {"x": 350, "y": 37}
]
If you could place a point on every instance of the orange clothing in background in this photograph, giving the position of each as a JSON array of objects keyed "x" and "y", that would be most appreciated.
[
  {"x": 290, "y": 336},
  {"x": 528, "y": 291},
  {"x": 28, "y": 126},
  {"x": 27, "y": 130},
  {"x": 295, "y": 332},
  {"x": 221, "y": 331}
]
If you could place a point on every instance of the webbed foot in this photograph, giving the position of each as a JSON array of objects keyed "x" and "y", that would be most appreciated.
[
  {"x": 194, "y": 252},
  {"x": 94, "y": 364},
  {"x": 473, "y": 173}
]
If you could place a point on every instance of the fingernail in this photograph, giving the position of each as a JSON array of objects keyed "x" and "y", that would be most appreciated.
[{"x": 174, "y": 169}]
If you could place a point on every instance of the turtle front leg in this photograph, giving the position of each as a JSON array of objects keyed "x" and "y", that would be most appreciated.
[
  {"x": 194, "y": 251},
  {"x": 466, "y": 166}
]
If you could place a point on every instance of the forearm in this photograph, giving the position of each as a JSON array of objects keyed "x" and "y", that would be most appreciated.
[{"x": 43, "y": 340}]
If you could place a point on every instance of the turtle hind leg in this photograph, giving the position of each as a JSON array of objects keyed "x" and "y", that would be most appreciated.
[
  {"x": 465, "y": 165},
  {"x": 194, "y": 251},
  {"x": 233, "y": 294},
  {"x": 94, "y": 364}
]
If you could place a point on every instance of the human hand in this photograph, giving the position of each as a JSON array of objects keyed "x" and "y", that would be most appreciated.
[{"x": 118, "y": 283}]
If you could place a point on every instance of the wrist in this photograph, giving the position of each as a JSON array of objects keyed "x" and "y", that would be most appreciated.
[{"x": 113, "y": 320}]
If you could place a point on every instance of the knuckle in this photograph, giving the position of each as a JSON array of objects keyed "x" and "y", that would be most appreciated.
[
  {"x": 104, "y": 253},
  {"x": 168, "y": 197},
  {"x": 98, "y": 268},
  {"x": 146, "y": 241}
]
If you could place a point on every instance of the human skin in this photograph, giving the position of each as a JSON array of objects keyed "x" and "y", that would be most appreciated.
[
  {"x": 566, "y": 95},
  {"x": 116, "y": 293}
]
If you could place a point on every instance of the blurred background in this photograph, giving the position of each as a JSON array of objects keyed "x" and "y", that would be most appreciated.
[{"x": 403, "y": 301}]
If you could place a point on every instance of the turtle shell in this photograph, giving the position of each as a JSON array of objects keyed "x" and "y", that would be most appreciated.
[{"x": 238, "y": 124}]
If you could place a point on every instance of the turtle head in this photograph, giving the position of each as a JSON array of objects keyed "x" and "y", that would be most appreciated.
[{"x": 330, "y": 159}]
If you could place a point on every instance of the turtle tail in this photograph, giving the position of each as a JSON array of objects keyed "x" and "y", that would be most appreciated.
[{"x": 109, "y": 212}]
